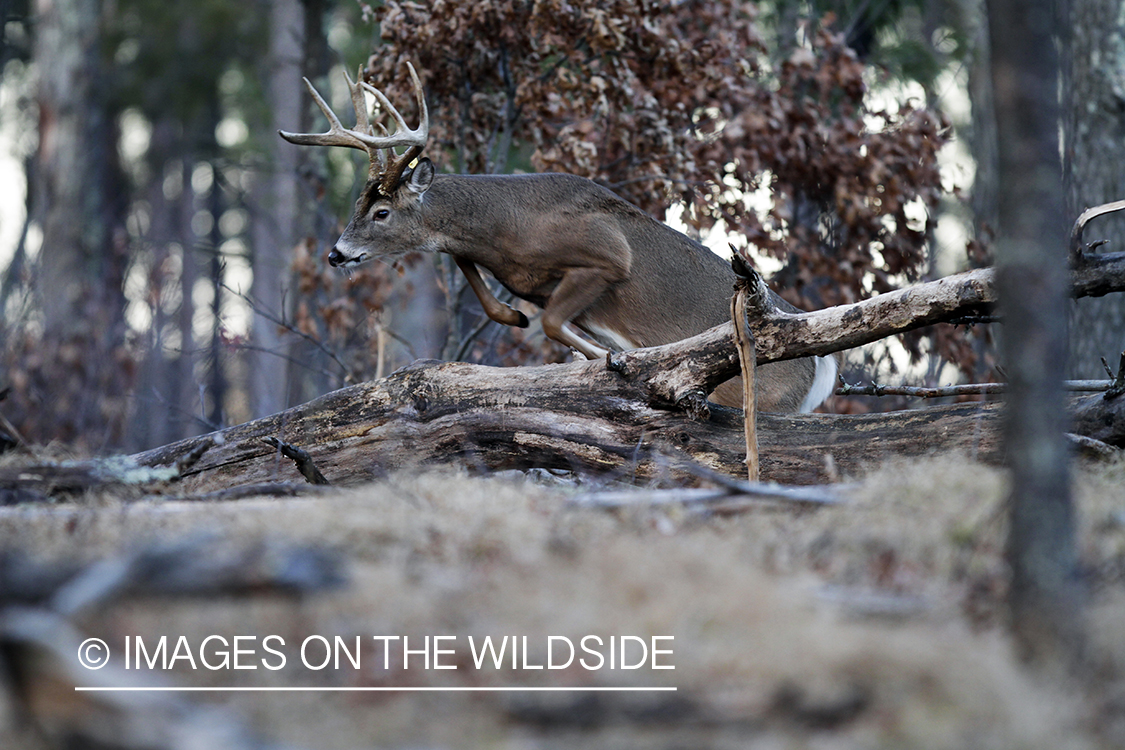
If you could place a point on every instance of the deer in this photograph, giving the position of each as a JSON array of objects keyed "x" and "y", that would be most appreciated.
[{"x": 607, "y": 275}]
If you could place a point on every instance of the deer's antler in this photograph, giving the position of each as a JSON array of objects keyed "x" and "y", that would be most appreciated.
[{"x": 386, "y": 165}]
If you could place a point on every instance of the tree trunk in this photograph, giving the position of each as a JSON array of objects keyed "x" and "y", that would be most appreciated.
[
  {"x": 982, "y": 142},
  {"x": 79, "y": 189},
  {"x": 1094, "y": 151},
  {"x": 1031, "y": 281},
  {"x": 79, "y": 205},
  {"x": 275, "y": 195},
  {"x": 580, "y": 417},
  {"x": 67, "y": 196}
]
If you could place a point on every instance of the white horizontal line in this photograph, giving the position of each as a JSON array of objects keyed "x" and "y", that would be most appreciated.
[{"x": 506, "y": 689}]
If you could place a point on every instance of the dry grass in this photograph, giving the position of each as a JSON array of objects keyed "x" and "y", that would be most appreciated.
[{"x": 875, "y": 624}]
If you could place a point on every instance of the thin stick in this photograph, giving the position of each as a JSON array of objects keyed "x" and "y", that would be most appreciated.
[
  {"x": 966, "y": 389},
  {"x": 747, "y": 356},
  {"x": 300, "y": 457},
  {"x": 711, "y": 498}
]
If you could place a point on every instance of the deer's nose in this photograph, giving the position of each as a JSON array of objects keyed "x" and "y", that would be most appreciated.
[{"x": 335, "y": 257}]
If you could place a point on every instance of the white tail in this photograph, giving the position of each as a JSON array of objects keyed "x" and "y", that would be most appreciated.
[{"x": 586, "y": 256}]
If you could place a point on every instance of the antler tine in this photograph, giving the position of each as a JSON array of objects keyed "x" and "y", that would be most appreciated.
[
  {"x": 359, "y": 103},
  {"x": 363, "y": 122},
  {"x": 414, "y": 139},
  {"x": 388, "y": 168},
  {"x": 337, "y": 134},
  {"x": 404, "y": 135}
]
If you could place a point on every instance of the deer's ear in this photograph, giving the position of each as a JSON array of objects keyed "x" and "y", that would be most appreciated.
[{"x": 421, "y": 177}]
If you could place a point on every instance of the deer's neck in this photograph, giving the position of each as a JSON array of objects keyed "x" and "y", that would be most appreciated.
[
  {"x": 485, "y": 218},
  {"x": 466, "y": 209}
]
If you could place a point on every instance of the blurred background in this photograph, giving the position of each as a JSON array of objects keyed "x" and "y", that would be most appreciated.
[{"x": 163, "y": 250}]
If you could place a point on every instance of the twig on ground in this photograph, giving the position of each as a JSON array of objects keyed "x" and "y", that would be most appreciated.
[
  {"x": 275, "y": 489},
  {"x": 1092, "y": 447},
  {"x": 872, "y": 603},
  {"x": 713, "y": 499},
  {"x": 729, "y": 496}
]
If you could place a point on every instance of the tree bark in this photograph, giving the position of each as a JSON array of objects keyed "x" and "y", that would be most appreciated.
[
  {"x": 80, "y": 207},
  {"x": 1044, "y": 596},
  {"x": 984, "y": 197},
  {"x": 1094, "y": 150},
  {"x": 68, "y": 194}
]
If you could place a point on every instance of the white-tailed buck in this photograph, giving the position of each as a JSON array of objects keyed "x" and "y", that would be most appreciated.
[{"x": 586, "y": 256}]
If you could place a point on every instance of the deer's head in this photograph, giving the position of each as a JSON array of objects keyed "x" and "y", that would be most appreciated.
[{"x": 386, "y": 223}]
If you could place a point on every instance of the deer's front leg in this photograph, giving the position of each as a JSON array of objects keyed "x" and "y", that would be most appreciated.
[{"x": 493, "y": 308}]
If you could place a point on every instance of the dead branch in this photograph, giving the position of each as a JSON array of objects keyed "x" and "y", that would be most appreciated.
[
  {"x": 1101, "y": 417},
  {"x": 708, "y": 359},
  {"x": 964, "y": 389},
  {"x": 744, "y": 343},
  {"x": 47, "y": 481},
  {"x": 1092, "y": 448},
  {"x": 300, "y": 458},
  {"x": 1117, "y": 384},
  {"x": 918, "y": 391},
  {"x": 714, "y": 499},
  {"x": 1077, "y": 250}
]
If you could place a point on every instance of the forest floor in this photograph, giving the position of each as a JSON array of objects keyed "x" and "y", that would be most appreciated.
[{"x": 878, "y": 622}]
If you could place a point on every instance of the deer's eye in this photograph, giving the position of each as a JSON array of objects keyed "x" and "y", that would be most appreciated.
[{"x": 381, "y": 214}]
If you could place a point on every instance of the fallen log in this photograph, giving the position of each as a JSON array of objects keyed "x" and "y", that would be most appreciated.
[
  {"x": 578, "y": 416},
  {"x": 627, "y": 413}
]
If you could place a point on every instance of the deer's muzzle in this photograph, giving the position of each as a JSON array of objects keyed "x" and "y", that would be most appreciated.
[{"x": 339, "y": 259}]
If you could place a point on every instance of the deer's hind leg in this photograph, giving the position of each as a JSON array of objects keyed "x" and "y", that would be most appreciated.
[{"x": 579, "y": 289}]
